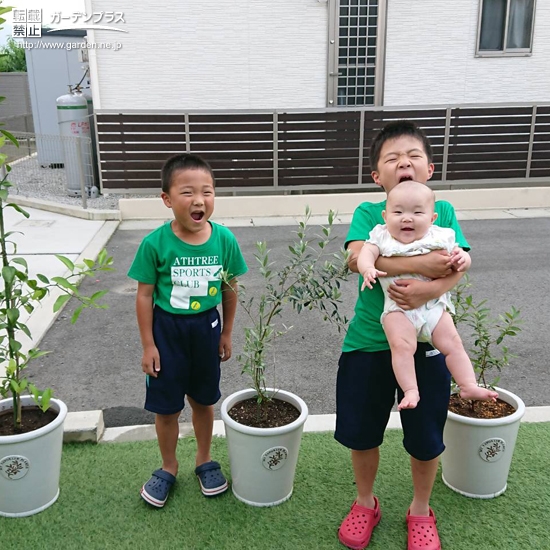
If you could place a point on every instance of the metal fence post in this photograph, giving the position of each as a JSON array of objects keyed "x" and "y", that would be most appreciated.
[
  {"x": 81, "y": 171},
  {"x": 361, "y": 147},
  {"x": 27, "y": 134},
  {"x": 187, "y": 136},
  {"x": 531, "y": 141},
  {"x": 446, "y": 144},
  {"x": 275, "y": 149}
]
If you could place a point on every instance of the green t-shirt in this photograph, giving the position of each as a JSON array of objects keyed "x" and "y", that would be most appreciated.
[
  {"x": 186, "y": 276},
  {"x": 365, "y": 332}
]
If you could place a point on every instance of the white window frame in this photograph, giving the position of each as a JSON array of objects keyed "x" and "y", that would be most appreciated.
[{"x": 505, "y": 52}]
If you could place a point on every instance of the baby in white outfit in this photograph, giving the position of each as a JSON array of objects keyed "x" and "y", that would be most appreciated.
[{"x": 409, "y": 216}]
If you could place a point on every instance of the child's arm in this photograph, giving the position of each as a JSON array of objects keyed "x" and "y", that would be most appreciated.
[
  {"x": 150, "y": 361},
  {"x": 365, "y": 264},
  {"x": 229, "y": 308},
  {"x": 413, "y": 293},
  {"x": 435, "y": 264},
  {"x": 460, "y": 260}
]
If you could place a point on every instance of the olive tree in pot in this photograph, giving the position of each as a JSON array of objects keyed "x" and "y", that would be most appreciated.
[
  {"x": 480, "y": 436},
  {"x": 31, "y": 421},
  {"x": 264, "y": 425}
]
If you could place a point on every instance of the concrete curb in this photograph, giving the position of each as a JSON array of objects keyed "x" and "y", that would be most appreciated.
[
  {"x": 66, "y": 209},
  {"x": 89, "y": 426},
  {"x": 247, "y": 207}
]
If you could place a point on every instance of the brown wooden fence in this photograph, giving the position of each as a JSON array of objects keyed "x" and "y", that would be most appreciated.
[{"x": 323, "y": 150}]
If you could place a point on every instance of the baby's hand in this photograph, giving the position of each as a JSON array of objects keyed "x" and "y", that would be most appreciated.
[
  {"x": 460, "y": 260},
  {"x": 370, "y": 275}
]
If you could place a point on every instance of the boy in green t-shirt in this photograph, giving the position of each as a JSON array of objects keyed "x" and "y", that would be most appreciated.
[
  {"x": 178, "y": 268},
  {"x": 366, "y": 384}
]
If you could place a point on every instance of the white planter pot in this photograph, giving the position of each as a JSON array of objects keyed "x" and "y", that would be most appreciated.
[
  {"x": 263, "y": 460},
  {"x": 478, "y": 452},
  {"x": 30, "y": 465}
]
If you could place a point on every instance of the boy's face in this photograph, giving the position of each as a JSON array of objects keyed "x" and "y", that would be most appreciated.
[
  {"x": 191, "y": 197},
  {"x": 402, "y": 159},
  {"x": 409, "y": 213}
]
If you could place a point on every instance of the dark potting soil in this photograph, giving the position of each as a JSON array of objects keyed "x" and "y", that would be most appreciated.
[
  {"x": 270, "y": 414},
  {"x": 32, "y": 418},
  {"x": 480, "y": 409}
]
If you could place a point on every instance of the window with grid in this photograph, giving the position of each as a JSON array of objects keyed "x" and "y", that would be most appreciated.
[
  {"x": 358, "y": 27},
  {"x": 506, "y": 27}
]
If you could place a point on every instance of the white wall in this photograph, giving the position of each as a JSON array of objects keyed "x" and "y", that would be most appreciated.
[
  {"x": 213, "y": 54},
  {"x": 430, "y": 57}
]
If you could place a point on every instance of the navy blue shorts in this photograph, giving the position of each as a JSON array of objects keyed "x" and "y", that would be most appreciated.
[
  {"x": 365, "y": 395},
  {"x": 189, "y": 360}
]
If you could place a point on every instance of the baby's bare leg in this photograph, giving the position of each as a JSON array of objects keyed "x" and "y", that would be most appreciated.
[
  {"x": 447, "y": 340},
  {"x": 401, "y": 336}
]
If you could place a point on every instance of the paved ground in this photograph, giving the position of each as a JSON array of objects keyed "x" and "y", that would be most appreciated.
[{"x": 95, "y": 364}]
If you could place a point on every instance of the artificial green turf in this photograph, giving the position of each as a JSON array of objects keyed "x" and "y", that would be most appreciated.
[{"x": 99, "y": 506}]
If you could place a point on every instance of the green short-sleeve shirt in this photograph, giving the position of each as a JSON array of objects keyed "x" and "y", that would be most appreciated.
[
  {"x": 365, "y": 332},
  {"x": 186, "y": 276}
]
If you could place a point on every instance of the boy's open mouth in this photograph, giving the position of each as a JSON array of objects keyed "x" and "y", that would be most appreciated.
[
  {"x": 405, "y": 178},
  {"x": 197, "y": 216}
]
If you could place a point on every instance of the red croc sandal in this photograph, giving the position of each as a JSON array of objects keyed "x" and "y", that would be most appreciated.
[
  {"x": 356, "y": 529},
  {"x": 422, "y": 532}
]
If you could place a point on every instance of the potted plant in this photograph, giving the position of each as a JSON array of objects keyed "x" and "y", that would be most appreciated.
[
  {"x": 31, "y": 421},
  {"x": 480, "y": 436},
  {"x": 263, "y": 425}
]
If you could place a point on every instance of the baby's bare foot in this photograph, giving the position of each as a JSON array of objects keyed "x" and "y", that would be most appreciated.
[
  {"x": 410, "y": 400},
  {"x": 473, "y": 391}
]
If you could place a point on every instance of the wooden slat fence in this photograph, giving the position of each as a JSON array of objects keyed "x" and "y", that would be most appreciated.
[{"x": 326, "y": 150}]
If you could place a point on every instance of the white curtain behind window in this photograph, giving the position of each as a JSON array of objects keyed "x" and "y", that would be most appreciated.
[{"x": 520, "y": 21}]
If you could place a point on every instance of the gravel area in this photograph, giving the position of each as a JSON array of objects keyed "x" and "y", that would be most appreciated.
[{"x": 34, "y": 181}]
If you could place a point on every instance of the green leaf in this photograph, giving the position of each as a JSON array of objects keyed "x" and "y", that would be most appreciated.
[
  {"x": 61, "y": 301},
  {"x": 10, "y": 136},
  {"x": 35, "y": 353},
  {"x": 66, "y": 261},
  {"x": 13, "y": 315},
  {"x": 64, "y": 283},
  {"x": 102, "y": 257},
  {"x": 19, "y": 209},
  {"x": 45, "y": 399},
  {"x": 21, "y": 261},
  {"x": 15, "y": 345},
  {"x": 97, "y": 295},
  {"x": 43, "y": 278},
  {"x": 8, "y": 274},
  {"x": 76, "y": 314},
  {"x": 25, "y": 329}
]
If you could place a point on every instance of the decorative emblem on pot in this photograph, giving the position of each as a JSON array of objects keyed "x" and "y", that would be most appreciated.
[
  {"x": 14, "y": 467},
  {"x": 274, "y": 458},
  {"x": 493, "y": 449}
]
